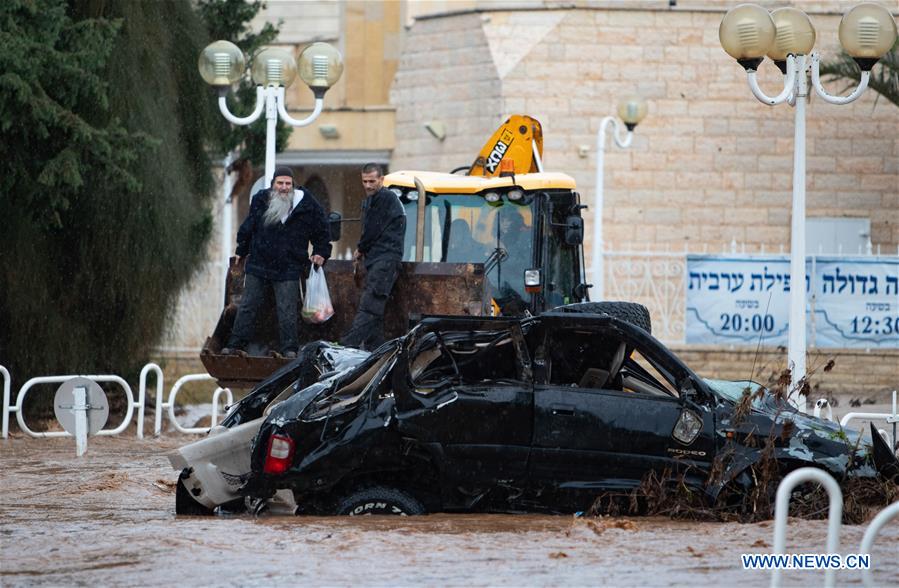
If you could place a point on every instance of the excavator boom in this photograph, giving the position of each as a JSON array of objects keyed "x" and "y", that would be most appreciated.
[{"x": 513, "y": 141}]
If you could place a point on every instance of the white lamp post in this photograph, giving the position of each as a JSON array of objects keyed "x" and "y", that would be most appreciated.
[
  {"x": 222, "y": 64},
  {"x": 748, "y": 33},
  {"x": 631, "y": 111}
]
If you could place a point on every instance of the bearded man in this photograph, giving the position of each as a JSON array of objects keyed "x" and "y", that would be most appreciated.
[{"x": 273, "y": 245}]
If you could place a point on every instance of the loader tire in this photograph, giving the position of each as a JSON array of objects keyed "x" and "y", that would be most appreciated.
[{"x": 631, "y": 312}]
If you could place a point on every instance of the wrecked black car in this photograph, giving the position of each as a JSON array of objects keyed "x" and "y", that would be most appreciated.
[{"x": 537, "y": 414}]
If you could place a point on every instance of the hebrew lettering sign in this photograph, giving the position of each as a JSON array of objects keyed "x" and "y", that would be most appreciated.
[{"x": 850, "y": 302}]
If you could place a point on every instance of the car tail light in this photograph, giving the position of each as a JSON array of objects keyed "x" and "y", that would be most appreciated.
[{"x": 279, "y": 455}]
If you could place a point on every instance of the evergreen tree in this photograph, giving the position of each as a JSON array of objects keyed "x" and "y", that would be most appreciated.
[{"x": 104, "y": 124}]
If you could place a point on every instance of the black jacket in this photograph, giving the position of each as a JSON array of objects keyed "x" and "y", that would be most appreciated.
[
  {"x": 280, "y": 251},
  {"x": 383, "y": 227}
]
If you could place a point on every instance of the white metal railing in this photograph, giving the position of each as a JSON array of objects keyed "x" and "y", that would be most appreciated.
[
  {"x": 7, "y": 382},
  {"x": 782, "y": 508},
  {"x": 150, "y": 367},
  {"x": 23, "y": 392},
  {"x": 170, "y": 405},
  {"x": 887, "y": 514},
  {"x": 139, "y": 405},
  {"x": 890, "y": 417},
  {"x": 654, "y": 279}
]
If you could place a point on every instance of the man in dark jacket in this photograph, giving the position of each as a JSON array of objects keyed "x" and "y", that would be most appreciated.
[
  {"x": 381, "y": 249},
  {"x": 273, "y": 243}
]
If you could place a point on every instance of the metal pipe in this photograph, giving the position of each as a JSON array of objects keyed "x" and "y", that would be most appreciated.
[
  {"x": 537, "y": 158},
  {"x": 7, "y": 382},
  {"x": 850, "y": 416},
  {"x": 797, "y": 337},
  {"x": 819, "y": 88},
  {"x": 787, "y": 94},
  {"x": 227, "y": 212},
  {"x": 229, "y": 400},
  {"x": 782, "y": 507},
  {"x": 245, "y": 120},
  {"x": 882, "y": 518},
  {"x": 271, "y": 132},
  {"x": 796, "y": 89},
  {"x": 20, "y": 399},
  {"x": 173, "y": 394},
  {"x": 142, "y": 395},
  {"x": 282, "y": 110},
  {"x": 597, "y": 269},
  {"x": 420, "y": 221}
]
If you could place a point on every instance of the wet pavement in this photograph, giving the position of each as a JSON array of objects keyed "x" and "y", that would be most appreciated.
[{"x": 108, "y": 519}]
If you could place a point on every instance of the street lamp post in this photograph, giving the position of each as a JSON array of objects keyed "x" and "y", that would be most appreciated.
[
  {"x": 748, "y": 33},
  {"x": 222, "y": 64},
  {"x": 631, "y": 112}
]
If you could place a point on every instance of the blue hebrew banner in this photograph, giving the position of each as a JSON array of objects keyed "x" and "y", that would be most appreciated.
[
  {"x": 851, "y": 301},
  {"x": 856, "y": 302},
  {"x": 737, "y": 300}
]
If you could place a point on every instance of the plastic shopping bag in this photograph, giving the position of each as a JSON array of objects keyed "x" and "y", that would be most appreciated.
[{"x": 317, "y": 306}]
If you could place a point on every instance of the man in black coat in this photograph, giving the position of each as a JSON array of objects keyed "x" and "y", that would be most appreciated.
[
  {"x": 273, "y": 243},
  {"x": 381, "y": 249}
]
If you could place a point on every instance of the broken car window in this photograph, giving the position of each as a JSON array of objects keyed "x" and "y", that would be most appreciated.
[
  {"x": 605, "y": 360},
  {"x": 471, "y": 357},
  {"x": 350, "y": 389},
  {"x": 640, "y": 375}
]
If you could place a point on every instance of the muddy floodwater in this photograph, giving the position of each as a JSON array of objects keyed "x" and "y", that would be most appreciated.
[{"x": 108, "y": 519}]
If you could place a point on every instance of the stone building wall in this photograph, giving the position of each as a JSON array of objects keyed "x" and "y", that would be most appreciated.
[
  {"x": 855, "y": 373},
  {"x": 446, "y": 73},
  {"x": 709, "y": 165}
]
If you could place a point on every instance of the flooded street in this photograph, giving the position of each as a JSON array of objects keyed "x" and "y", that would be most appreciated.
[{"x": 108, "y": 519}]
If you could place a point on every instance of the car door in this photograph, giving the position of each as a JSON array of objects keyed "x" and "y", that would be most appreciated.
[
  {"x": 481, "y": 420},
  {"x": 607, "y": 422}
]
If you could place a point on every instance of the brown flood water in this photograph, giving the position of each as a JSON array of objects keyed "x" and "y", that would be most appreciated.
[{"x": 108, "y": 519}]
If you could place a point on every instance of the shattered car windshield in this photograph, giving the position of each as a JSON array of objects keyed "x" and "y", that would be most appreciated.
[
  {"x": 351, "y": 387},
  {"x": 733, "y": 390}
]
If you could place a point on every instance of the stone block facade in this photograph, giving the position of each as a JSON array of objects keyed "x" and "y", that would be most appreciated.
[
  {"x": 855, "y": 373},
  {"x": 710, "y": 164}
]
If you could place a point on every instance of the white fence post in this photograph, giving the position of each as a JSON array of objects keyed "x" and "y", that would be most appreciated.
[
  {"x": 890, "y": 512},
  {"x": 142, "y": 394},
  {"x": 782, "y": 508},
  {"x": 170, "y": 405},
  {"x": 889, "y": 417},
  {"x": 7, "y": 382},
  {"x": 216, "y": 396}
]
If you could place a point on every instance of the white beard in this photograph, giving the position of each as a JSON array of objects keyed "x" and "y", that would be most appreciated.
[{"x": 278, "y": 207}]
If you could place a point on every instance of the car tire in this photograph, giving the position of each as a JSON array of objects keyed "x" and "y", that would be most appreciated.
[
  {"x": 631, "y": 312},
  {"x": 185, "y": 503},
  {"x": 379, "y": 500}
]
